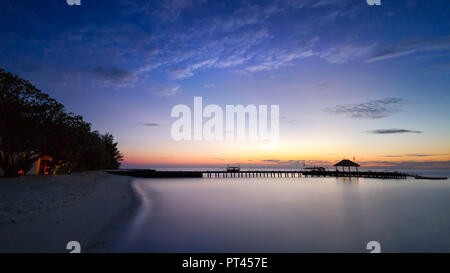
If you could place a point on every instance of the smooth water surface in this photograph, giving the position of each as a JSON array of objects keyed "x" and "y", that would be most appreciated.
[{"x": 289, "y": 215}]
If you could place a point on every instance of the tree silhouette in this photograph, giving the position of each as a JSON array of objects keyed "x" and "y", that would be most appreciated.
[{"x": 32, "y": 125}]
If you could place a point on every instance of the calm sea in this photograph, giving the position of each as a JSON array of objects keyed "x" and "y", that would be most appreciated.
[{"x": 289, "y": 215}]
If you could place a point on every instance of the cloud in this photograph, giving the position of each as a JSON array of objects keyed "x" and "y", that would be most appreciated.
[
  {"x": 419, "y": 165},
  {"x": 167, "y": 11},
  {"x": 318, "y": 86},
  {"x": 170, "y": 9},
  {"x": 323, "y": 3},
  {"x": 169, "y": 40},
  {"x": 175, "y": 47},
  {"x": 393, "y": 131},
  {"x": 181, "y": 73},
  {"x": 283, "y": 56},
  {"x": 238, "y": 37},
  {"x": 278, "y": 60},
  {"x": 224, "y": 42},
  {"x": 112, "y": 75},
  {"x": 167, "y": 91},
  {"x": 374, "y": 109},
  {"x": 210, "y": 85},
  {"x": 345, "y": 52},
  {"x": 391, "y": 51},
  {"x": 271, "y": 160},
  {"x": 151, "y": 124},
  {"x": 284, "y": 163},
  {"x": 413, "y": 155}
]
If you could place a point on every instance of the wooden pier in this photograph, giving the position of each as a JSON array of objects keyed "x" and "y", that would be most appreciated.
[
  {"x": 302, "y": 173},
  {"x": 266, "y": 174}
]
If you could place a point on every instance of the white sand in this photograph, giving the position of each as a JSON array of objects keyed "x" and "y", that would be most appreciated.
[{"x": 43, "y": 213}]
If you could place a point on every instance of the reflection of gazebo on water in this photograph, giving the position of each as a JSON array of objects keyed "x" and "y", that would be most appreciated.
[{"x": 346, "y": 163}]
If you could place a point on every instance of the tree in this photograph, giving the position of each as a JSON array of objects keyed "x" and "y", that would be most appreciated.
[
  {"x": 32, "y": 124},
  {"x": 113, "y": 156},
  {"x": 24, "y": 113}
]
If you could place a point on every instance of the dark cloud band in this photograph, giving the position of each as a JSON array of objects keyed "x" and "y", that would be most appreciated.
[
  {"x": 393, "y": 131},
  {"x": 374, "y": 109}
]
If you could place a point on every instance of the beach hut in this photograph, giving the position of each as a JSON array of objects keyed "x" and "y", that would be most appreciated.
[
  {"x": 346, "y": 163},
  {"x": 43, "y": 165}
]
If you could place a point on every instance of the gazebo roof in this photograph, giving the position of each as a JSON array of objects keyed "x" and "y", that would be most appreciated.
[{"x": 346, "y": 163}]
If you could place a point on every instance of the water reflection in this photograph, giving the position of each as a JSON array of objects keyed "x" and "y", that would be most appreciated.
[
  {"x": 350, "y": 179},
  {"x": 289, "y": 215}
]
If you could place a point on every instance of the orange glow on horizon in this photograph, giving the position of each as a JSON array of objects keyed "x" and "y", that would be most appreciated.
[{"x": 267, "y": 161}]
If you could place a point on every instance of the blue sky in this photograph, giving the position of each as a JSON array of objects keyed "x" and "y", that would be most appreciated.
[{"x": 344, "y": 73}]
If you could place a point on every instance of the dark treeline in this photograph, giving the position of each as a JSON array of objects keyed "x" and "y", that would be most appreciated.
[{"x": 33, "y": 125}]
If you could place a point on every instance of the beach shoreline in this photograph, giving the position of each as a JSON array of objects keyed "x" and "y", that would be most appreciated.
[{"x": 44, "y": 213}]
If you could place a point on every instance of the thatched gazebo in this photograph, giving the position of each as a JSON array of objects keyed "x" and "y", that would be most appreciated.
[{"x": 346, "y": 163}]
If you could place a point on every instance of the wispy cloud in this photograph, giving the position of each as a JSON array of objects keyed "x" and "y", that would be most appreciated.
[
  {"x": 169, "y": 40},
  {"x": 374, "y": 109},
  {"x": 345, "y": 52},
  {"x": 279, "y": 57},
  {"x": 167, "y": 91},
  {"x": 293, "y": 163},
  {"x": 278, "y": 60},
  {"x": 391, "y": 51},
  {"x": 180, "y": 73},
  {"x": 167, "y": 11},
  {"x": 323, "y": 3},
  {"x": 151, "y": 124},
  {"x": 413, "y": 155},
  {"x": 393, "y": 131},
  {"x": 318, "y": 86},
  {"x": 271, "y": 160},
  {"x": 210, "y": 85},
  {"x": 239, "y": 38},
  {"x": 419, "y": 165}
]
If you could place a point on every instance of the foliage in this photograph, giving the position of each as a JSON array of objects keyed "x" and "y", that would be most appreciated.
[{"x": 32, "y": 125}]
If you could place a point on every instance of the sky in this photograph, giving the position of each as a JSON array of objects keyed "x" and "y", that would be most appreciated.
[{"x": 351, "y": 80}]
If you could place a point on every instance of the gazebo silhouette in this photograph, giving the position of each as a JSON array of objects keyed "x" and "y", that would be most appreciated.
[{"x": 346, "y": 163}]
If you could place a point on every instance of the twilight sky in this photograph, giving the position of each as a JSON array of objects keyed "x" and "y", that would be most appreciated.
[{"x": 352, "y": 80}]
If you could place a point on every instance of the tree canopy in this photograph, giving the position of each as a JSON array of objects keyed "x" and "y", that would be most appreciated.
[{"x": 33, "y": 124}]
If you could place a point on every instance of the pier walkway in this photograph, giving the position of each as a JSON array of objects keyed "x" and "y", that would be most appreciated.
[{"x": 266, "y": 174}]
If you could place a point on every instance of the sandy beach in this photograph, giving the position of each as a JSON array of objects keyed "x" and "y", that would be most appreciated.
[{"x": 44, "y": 213}]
